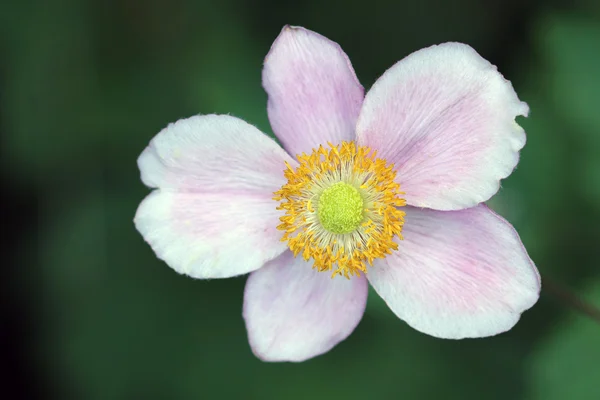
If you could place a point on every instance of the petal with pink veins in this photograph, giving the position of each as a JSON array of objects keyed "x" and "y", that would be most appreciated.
[
  {"x": 457, "y": 274},
  {"x": 212, "y": 215},
  {"x": 445, "y": 117},
  {"x": 314, "y": 95},
  {"x": 294, "y": 312}
]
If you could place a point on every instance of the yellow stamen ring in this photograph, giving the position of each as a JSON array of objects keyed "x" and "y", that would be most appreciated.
[{"x": 341, "y": 208}]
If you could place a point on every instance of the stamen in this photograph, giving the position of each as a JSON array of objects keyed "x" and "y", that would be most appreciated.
[{"x": 341, "y": 208}]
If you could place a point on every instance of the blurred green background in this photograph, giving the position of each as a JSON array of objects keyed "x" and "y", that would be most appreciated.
[{"x": 84, "y": 86}]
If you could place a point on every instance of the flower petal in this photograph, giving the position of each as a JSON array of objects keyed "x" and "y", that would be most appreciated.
[
  {"x": 457, "y": 274},
  {"x": 212, "y": 216},
  {"x": 314, "y": 95},
  {"x": 446, "y": 118},
  {"x": 213, "y": 153},
  {"x": 294, "y": 312},
  {"x": 210, "y": 235}
]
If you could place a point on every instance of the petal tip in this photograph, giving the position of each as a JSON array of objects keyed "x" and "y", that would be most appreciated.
[{"x": 523, "y": 109}]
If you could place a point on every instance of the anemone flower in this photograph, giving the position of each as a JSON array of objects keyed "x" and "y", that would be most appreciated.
[{"x": 385, "y": 188}]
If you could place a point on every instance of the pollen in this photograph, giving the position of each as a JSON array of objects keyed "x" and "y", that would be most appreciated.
[{"x": 342, "y": 208}]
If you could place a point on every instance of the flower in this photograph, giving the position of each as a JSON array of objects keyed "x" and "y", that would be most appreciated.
[{"x": 386, "y": 188}]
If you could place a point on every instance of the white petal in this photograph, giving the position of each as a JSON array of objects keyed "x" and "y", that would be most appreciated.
[
  {"x": 210, "y": 235},
  {"x": 294, "y": 312},
  {"x": 213, "y": 153},
  {"x": 457, "y": 274},
  {"x": 213, "y": 215},
  {"x": 445, "y": 118}
]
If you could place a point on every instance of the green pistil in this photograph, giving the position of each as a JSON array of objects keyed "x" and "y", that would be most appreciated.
[{"x": 340, "y": 208}]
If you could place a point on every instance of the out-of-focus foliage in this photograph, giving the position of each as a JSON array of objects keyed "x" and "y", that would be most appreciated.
[
  {"x": 86, "y": 84},
  {"x": 571, "y": 48},
  {"x": 565, "y": 363}
]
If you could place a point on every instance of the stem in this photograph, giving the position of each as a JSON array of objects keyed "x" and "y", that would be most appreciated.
[{"x": 572, "y": 299}]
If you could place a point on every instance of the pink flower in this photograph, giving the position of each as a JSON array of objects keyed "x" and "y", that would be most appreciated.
[{"x": 409, "y": 220}]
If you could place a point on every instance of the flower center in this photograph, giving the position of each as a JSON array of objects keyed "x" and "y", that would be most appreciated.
[{"x": 340, "y": 208}]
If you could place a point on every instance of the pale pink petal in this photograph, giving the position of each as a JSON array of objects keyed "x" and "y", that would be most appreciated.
[
  {"x": 457, "y": 274},
  {"x": 206, "y": 235},
  {"x": 446, "y": 118},
  {"x": 213, "y": 153},
  {"x": 213, "y": 215},
  {"x": 314, "y": 95},
  {"x": 294, "y": 312}
]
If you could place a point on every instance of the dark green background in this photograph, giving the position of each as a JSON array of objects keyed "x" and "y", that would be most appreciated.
[{"x": 84, "y": 86}]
